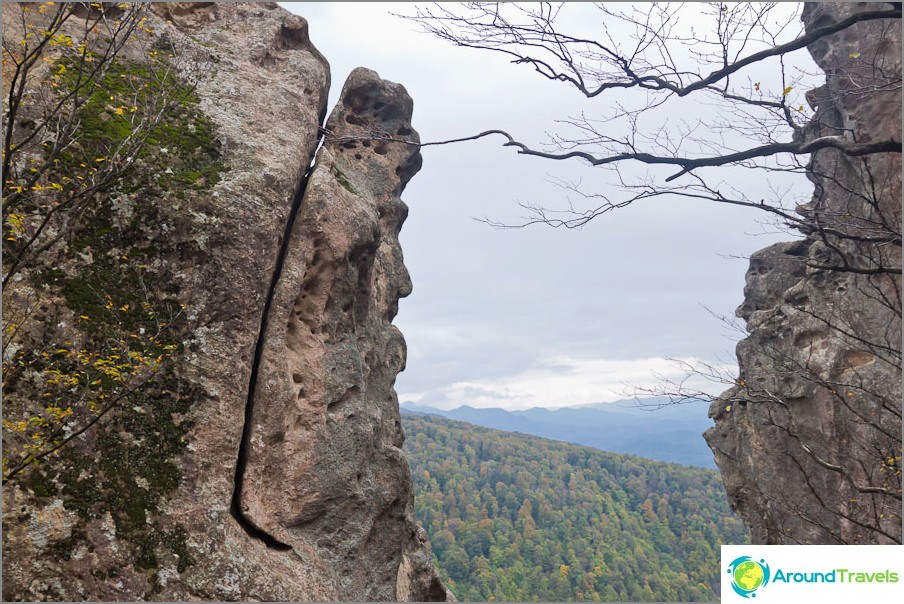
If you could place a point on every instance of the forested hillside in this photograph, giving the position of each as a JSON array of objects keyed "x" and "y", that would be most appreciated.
[
  {"x": 516, "y": 517},
  {"x": 651, "y": 427}
]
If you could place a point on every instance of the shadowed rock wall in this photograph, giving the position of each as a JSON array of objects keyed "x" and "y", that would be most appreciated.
[{"x": 809, "y": 440}]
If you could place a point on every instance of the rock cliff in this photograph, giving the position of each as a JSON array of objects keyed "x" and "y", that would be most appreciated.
[
  {"x": 809, "y": 440},
  {"x": 235, "y": 304}
]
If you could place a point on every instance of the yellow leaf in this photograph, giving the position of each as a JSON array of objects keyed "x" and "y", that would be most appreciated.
[
  {"x": 100, "y": 159},
  {"x": 854, "y": 55},
  {"x": 787, "y": 90},
  {"x": 728, "y": 407},
  {"x": 756, "y": 86}
]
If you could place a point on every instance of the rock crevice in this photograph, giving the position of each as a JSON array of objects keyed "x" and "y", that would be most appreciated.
[
  {"x": 272, "y": 469},
  {"x": 248, "y": 417},
  {"x": 324, "y": 472}
]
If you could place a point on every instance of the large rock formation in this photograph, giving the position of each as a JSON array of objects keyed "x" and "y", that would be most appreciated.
[
  {"x": 324, "y": 473},
  {"x": 260, "y": 460},
  {"x": 809, "y": 440}
]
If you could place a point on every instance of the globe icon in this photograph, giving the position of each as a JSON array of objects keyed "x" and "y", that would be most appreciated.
[{"x": 748, "y": 575}]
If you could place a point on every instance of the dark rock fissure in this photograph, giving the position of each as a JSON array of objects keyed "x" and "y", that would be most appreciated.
[{"x": 242, "y": 461}]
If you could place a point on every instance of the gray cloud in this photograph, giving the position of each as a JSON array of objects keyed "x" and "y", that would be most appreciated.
[{"x": 490, "y": 304}]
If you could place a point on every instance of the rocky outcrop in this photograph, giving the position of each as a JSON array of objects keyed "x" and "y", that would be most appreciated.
[
  {"x": 262, "y": 462},
  {"x": 809, "y": 440},
  {"x": 324, "y": 472}
]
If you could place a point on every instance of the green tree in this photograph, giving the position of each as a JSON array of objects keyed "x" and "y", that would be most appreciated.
[{"x": 594, "y": 535}]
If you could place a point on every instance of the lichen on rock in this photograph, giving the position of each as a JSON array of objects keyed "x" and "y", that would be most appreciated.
[{"x": 175, "y": 263}]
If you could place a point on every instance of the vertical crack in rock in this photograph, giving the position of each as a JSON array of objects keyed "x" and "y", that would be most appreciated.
[
  {"x": 321, "y": 468},
  {"x": 289, "y": 301},
  {"x": 242, "y": 461}
]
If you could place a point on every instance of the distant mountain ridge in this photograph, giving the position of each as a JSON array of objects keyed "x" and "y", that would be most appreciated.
[{"x": 650, "y": 427}]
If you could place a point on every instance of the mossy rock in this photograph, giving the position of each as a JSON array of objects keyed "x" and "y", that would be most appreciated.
[{"x": 123, "y": 297}]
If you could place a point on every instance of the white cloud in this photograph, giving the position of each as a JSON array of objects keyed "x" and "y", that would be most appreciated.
[{"x": 566, "y": 381}]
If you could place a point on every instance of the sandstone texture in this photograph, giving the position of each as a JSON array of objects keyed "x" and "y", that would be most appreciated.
[
  {"x": 325, "y": 473},
  {"x": 262, "y": 462},
  {"x": 809, "y": 440}
]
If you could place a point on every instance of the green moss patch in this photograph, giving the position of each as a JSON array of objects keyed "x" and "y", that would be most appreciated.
[
  {"x": 118, "y": 279},
  {"x": 342, "y": 179},
  {"x": 143, "y": 100}
]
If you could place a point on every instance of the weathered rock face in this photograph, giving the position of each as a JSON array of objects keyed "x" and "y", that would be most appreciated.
[
  {"x": 264, "y": 462},
  {"x": 809, "y": 441},
  {"x": 324, "y": 471}
]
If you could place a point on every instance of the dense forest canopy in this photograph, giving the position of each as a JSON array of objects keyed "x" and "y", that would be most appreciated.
[{"x": 513, "y": 517}]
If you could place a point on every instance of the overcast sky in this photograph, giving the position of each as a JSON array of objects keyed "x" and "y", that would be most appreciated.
[{"x": 538, "y": 316}]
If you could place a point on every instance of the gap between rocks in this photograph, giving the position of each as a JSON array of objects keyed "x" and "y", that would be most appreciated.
[{"x": 236, "y": 508}]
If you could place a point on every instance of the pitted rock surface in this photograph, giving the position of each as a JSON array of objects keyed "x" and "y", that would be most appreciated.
[{"x": 324, "y": 473}]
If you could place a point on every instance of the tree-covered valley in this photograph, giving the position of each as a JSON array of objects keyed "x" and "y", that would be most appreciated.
[{"x": 512, "y": 517}]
